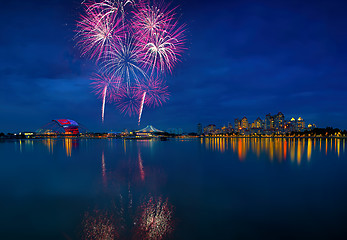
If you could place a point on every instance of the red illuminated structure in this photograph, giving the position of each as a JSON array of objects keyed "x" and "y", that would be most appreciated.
[
  {"x": 62, "y": 126},
  {"x": 70, "y": 126}
]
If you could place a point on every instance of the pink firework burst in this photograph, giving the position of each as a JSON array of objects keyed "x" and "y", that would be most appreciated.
[
  {"x": 162, "y": 50},
  {"x": 128, "y": 100},
  {"x": 151, "y": 19},
  {"x": 111, "y": 7},
  {"x": 96, "y": 33},
  {"x": 156, "y": 92}
]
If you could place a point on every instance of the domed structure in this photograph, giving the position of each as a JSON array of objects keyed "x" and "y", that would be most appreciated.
[{"x": 62, "y": 126}]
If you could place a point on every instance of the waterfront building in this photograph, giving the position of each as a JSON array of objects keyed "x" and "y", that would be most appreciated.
[
  {"x": 237, "y": 125},
  {"x": 301, "y": 124},
  {"x": 279, "y": 121},
  {"x": 258, "y": 123},
  {"x": 62, "y": 126},
  {"x": 244, "y": 123},
  {"x": 311, "y": 126},
  {"x": 148, "y": 131},
  {"x": 210, "y": 129},
  {"x": 269, "y": 122},
  {"x": 224, "y": 129}
]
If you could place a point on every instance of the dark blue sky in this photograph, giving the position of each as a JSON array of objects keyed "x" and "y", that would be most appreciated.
[{"x": 244, "y": 58}]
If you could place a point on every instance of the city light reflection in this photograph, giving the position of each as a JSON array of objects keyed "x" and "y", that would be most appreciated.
[
  {"x": 338, "y": 147},
  {"x": 127, "y": 215},
  {"x": 68, "y": 146},
  {"x": 70, "y": 143},
  {"x": 49, "y": 143},
  {"x": 142, "y": 172},
  {"x": 276, "y": 149},
  {"x": 309, "y": 149}
]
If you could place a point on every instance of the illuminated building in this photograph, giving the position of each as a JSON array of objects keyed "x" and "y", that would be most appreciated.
[
  {"x": 148, "y": 131},
  {"x": 230, "y": 127},
  {"x": 224, "y": 129},
  {"x": 301, "y": 124},
  {"x": 257, "y": 126},
  {"x": 269, "y": 122},
  {"x": 210, "y": 129},
  {"x": 237, "y": 124},
  {"x": 279, "y": 121},
  {"x": 311, "y": 126},
  {"x": 258, "y": 123},
  {"x": 62, "y": 126},
  {"x": 244, "y": 123}
]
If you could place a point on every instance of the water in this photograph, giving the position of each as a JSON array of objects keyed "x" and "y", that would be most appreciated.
[{"x": 213, "y": 188}]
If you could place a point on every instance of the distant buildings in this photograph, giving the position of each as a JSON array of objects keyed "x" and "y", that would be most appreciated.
[
  {"x": 272, "y": 124},
  {"x": 210, "y": 129}
]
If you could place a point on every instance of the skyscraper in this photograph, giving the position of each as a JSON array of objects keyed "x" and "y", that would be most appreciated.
[
  {"x": 244, "y": 123},
  {"x": 279, "y": 121},
  {"x": 237, "y": 125},
  {"x": 269, "y": 122},
  {"x": 301, "y": 124}
]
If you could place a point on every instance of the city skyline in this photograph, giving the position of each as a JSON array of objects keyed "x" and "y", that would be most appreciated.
[
  {"x": 243, "y": 58},
  {"x": 268, "y": 125}
]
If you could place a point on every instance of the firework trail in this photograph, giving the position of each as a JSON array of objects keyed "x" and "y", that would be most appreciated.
[
  {"x": 104, "y": 87},
  {"x": 156, "y": 92},
  {"x": 141, "y": 108}
]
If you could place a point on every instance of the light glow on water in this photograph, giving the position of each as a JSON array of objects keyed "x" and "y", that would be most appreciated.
[{"x": 152, "y": 189}]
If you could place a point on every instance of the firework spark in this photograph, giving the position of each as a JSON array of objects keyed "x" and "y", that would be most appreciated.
[
  {"x": 134, "y": 42},
  {"x": 95, "y": 34},
  {"x": 162, "y": 50},
  {"x": 149, "y": 20},
  {"x": 123, "y": 62},
  {"x": 156, "y": 92},
  {"x": 128, "y": 100},
  {"x": 111, "y": 8}
]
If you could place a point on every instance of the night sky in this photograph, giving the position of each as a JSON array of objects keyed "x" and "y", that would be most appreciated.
[{"x": 243, "y": 58}]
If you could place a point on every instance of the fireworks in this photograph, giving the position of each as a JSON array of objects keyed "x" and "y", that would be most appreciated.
[
  {"x": 128, "y": 100},
  {"x": 135, "y": 44},
  {"x": 156, "y": 92},
  {"x": 105, "y": 88},
  {"x": 149, "y": 20},
  {"x": 123, "y": 61},
  {"x": 97, "y": 33}
]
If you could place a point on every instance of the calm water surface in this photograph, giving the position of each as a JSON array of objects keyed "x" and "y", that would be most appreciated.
[{"x": 191, "y": 189}]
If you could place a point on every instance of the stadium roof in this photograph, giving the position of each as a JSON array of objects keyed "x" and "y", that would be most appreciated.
[{"x": 149, "y": 129}]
